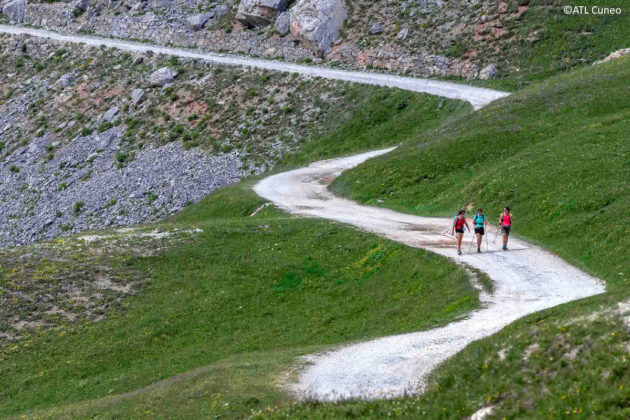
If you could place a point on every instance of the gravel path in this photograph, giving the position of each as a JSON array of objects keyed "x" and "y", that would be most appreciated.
[
  {"x": 527, "y": 279},
  {"x": 478, "y": 97}
]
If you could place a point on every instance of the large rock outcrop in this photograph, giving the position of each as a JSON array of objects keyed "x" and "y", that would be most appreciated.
[
  {"x": 14, "y": 10},
  {"x": 198, "y": 21},
  {"x": 488, "y": 72},
  {"x": 318, "y": 22},
  {"x": 162, "y": 76},
  {"x": 282, "y": 23},
  {"x": 259, "y": 12}
]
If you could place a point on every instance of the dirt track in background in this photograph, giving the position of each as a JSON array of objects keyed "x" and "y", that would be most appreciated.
[{"x": 478, "y": 97}]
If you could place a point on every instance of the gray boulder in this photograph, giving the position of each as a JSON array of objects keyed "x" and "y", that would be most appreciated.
[
  {"x": 488, "y": 72},
  {"x": 376, "y": 28},
  {"x": 162, "y": 76},
  {"x": 138, "y": 6},
  {"x": 220, "y": 11},
  {"x": 254, "y": 13},
  {"x": 197, "y": 22},
  {"x": 165, "y": 87},
  {"x": 318, "y": 22},
  {"x": 14, "y": 10},
  {"x": 137, "y": 96},
  {"x": 282, "y": 23},
  {"x": 403, "y": 34},
  {"x": 129, "y": 4},
  {"x": 81, "y": 5},
  {"x": 110, "y": 114},
  {"x": 64, "y": 81}
]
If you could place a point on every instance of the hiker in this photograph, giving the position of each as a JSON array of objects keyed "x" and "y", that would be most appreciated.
[
  {"x": 458, "y": 227},
  {"x": 505, "y": 221},
  {"x": 479, "y": 221}
]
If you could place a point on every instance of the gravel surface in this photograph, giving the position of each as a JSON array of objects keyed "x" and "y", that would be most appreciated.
[
  {"x": 478, "y": 97},
  {"x": 527, "y": 279},
  {"x": 43, "y": 201}
]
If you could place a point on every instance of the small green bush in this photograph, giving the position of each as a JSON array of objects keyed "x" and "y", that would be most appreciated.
[
  {"x": 104, "y": 126},
  {"x": 78, "y": 207},
  {"x": 121, "y": 158}
]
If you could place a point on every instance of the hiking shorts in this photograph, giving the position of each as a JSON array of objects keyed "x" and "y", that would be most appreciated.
[
  {"x": 505, "y": 229},
  {"x": 479, "y": 231},
  {"x": 459, "y": 230}
]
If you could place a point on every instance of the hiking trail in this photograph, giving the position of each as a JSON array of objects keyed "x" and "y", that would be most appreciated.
[{"x": 527, "y": 279}]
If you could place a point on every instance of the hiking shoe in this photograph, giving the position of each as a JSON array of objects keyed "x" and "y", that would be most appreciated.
[
  {"x": 459, "y": 252},
  {"x": 478, "y": 250},
  {"x": 505, "y": 247}
]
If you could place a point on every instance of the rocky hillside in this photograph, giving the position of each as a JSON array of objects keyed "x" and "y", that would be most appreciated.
[
  {"x": 463, "y": 38},
  {"x": 96, "y": 137}
]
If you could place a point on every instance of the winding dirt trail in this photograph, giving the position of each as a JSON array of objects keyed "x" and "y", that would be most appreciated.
[
  {"x": 527, "y": 279},
  {"x": 478, "y": 97}
]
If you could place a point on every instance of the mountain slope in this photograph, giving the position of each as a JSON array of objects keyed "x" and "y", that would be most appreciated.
[
  {"x": 150, "y": 134},
  {"x": 514, "y": 40},
  {"x": 557, "y": 153},
  {"x": 241, "y": 297}
]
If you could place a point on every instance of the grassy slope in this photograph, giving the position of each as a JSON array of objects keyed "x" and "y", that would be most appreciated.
[
  {"x": 558, "y": 363},
  {"x": 559, "y": 154},
  {"x": 245, "y": 298},
  {"x": 546, "y": 41},
  {"x": 573, "y": 129},
  {"x": 387, "y": 117},
  {"x": 245, "y": 285},
  {"x": 543, "y": 41}
]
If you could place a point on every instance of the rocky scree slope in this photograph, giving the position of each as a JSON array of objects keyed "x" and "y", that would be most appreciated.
[
  {"x": 463, "y": 38},
  {"x": 97, "y": 137}
]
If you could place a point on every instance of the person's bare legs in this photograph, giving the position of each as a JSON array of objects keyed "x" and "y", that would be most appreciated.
[
  {"x": 460, "y": 236},
  {"x": 479, "y": 238}
]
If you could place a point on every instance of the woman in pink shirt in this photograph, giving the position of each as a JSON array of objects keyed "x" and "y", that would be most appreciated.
[{"x": 505, "y": 221}]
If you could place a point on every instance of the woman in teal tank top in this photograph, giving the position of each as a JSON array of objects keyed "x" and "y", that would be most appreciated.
[{"x": 479, "y": 220}]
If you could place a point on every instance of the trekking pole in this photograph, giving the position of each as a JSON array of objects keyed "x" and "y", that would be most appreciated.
[
  {"x": 486, "y": 242},
  {"x": 472, "y": 241},
  {"x": 496, "y": 235}
]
